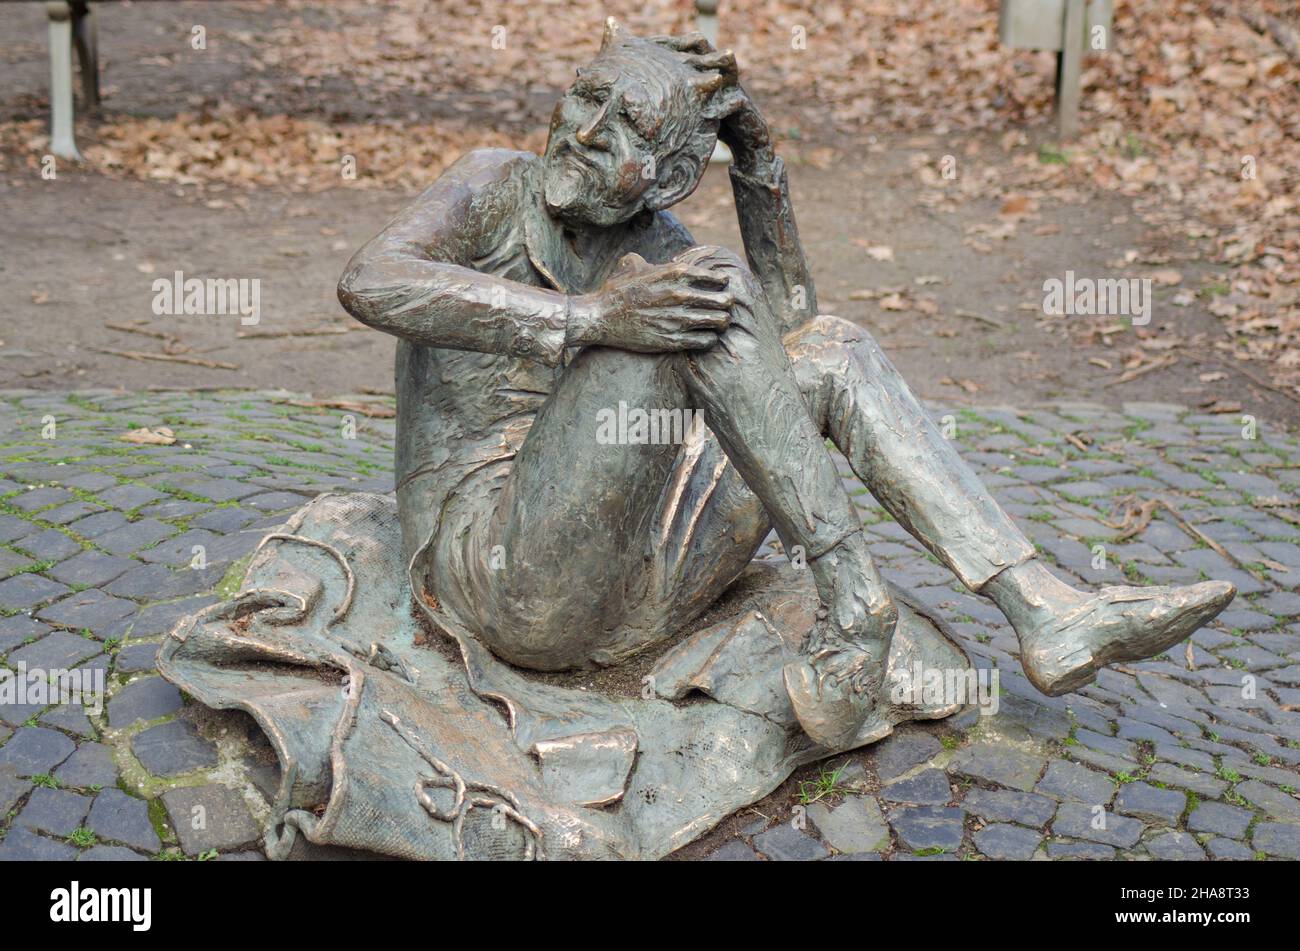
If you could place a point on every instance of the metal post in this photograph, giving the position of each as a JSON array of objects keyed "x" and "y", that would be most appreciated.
[
  {"x": 1069, "y": 66},
  {"x": 63, "y": 141},
  {"x": 85, "y": 36},
  {"x": 706, "y": 21}
]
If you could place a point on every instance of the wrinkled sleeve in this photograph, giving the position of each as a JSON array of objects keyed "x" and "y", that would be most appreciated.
[
  {"x": 772, "y": 244},
  {"x": 414, "y": 279}
]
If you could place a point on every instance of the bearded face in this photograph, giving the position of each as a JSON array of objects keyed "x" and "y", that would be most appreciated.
[{"x": 627, "y": 135}]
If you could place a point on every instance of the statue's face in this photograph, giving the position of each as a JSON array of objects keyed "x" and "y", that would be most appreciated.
[{"x": 610, "y": 135}]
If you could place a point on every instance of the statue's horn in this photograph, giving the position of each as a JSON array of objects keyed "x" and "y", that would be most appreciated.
[{"x": 613, "y": 33}]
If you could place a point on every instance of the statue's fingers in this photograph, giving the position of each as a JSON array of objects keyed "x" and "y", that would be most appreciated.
[
  {"x": 715, "y": 320},
  {"x": 686, "y": 43},
  {"x": 631, "y": 262},
  {"x": 706, "y": 300},
  {"x": 723, "y": 61},
  {"x": 697, "y": 340},
  {"x": 703, "y": 276}
]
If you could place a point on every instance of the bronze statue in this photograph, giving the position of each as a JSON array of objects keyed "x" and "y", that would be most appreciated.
[
  {"x": 533, "y": 297},
  {"x": 570, "y": 273}
]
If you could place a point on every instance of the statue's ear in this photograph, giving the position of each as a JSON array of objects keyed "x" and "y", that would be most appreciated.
[{"x": 675, "y": 180}]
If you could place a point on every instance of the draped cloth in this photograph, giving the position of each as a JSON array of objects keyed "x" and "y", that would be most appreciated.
[{"x": 399, "y": 733}]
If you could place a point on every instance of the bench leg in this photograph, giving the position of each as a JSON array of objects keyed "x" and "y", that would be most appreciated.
[
  {"x": 63, "y": 142},
  {"x": 85, "y": 36},
  {"x": 1069, "y": 66}
]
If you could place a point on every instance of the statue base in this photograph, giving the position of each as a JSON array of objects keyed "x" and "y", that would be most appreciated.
[{"x": 400, "y": 737}]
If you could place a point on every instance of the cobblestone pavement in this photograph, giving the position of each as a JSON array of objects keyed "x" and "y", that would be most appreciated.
[{"x": 1195, "y": 755}]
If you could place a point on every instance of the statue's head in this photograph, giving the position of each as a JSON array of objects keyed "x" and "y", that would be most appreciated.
[{"x": 635, "y": 130}]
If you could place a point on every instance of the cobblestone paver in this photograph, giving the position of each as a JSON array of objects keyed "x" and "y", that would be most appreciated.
[
  {"x": 104, "y": 545},
  {"x": 1195, "y": 755}
]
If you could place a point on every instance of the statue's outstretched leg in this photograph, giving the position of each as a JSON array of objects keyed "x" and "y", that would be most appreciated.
[{"x": 893, "y": 445}]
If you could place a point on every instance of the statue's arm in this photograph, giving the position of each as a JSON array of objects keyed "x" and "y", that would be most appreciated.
[
  {"x": 766, "y": 215},
  {"x": 414, "y": 279}
]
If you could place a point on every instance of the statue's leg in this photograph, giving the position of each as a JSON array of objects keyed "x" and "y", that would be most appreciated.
[
  {"x": 558, "y": 562},
  {"x": 574, "y": 520},
  {"x": 864, "y": 405},
  {"x": 753, "y": 404},
  {"x": 582, "y": 549}
]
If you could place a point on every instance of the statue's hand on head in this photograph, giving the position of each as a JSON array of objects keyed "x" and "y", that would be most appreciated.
[
  {"x": 745, "y": 132},
  {"x": 652, "y": 308},
  {"x": 741, "y": 127}
]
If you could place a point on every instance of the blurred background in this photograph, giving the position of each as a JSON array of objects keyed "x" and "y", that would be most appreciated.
[{"x": 933, "y": 189}]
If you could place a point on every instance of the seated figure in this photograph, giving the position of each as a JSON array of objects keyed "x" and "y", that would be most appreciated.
[{"x": 534, "y": 295}]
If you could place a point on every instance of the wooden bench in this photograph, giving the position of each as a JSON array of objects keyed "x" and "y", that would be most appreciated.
[{"x": 1070, "y": 28}]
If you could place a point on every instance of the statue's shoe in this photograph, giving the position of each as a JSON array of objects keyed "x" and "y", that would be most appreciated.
[
  {"x": 1118, "y": 624},
  {"x": 832, "y": 703}
]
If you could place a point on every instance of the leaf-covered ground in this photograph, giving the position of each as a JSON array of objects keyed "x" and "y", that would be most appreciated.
[{"x": 1191, "y": 115}]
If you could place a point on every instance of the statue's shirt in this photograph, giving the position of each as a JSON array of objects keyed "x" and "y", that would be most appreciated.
[{"x": 464, "y": 413}]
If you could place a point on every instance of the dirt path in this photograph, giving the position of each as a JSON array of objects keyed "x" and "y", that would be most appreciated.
[
  {"x": 101, "y": 243},
  {"x": 81, "y": 252}
]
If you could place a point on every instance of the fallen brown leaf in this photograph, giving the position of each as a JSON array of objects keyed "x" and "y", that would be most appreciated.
[{"x": 160, "y": 436}]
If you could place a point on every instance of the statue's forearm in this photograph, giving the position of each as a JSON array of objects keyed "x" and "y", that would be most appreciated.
[
  {"x": 771, "y": 237},
  {"x": 436, "y": 304}
]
